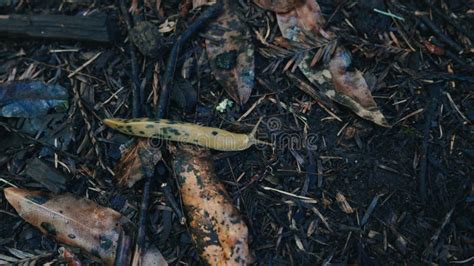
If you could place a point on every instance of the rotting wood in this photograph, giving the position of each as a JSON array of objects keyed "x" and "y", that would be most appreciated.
[{"x": 91, "y": 28}]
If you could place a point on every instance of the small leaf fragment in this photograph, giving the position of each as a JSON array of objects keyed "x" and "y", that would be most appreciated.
[
  {"x": 137, "y": 162},
  {"x": 231, "y": 53}
]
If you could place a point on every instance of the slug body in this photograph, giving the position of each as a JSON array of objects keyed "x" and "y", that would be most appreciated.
[{"x": 208, "y": 137}]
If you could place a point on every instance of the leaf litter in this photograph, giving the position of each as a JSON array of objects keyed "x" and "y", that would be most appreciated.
[{"x": 324, "y": 200}]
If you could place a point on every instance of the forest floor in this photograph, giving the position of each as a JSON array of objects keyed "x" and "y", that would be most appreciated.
[{"x": 382, "y": 195}]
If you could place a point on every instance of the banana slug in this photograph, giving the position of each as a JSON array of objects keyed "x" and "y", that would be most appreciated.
[{"x": 209, "y": 137}]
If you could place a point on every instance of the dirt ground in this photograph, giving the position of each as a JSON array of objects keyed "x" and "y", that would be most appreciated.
[{"x": 382, "y": 196}]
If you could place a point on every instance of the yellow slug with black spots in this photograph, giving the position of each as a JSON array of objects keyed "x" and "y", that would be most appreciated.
[{"x": 209, "y": 137}]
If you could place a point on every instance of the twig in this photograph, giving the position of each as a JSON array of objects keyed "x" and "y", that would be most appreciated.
[
  {"x": 440, "y": 34},
  {"x": 163, "y": 103},
  {"x": 435, "y": 92},
  {"x": 200, "y": 22},
  {"x": 441, "y": 14},
  {"x": 90, "y": 132},
  {"x": 84, "y": 65},
  {"x": 136, "y": 106}
]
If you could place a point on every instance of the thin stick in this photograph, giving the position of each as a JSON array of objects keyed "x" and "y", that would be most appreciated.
[
  {"x": 435, "y": 92},
  {"x": 136, "y": 105},
  {"x": 200, "y": 22},
  {"x": 437, "y": 31}
]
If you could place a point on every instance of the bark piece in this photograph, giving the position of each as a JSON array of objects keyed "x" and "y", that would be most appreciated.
[
  {"x": 83, "y": 28},
  {"x": 53, "y": 179}
]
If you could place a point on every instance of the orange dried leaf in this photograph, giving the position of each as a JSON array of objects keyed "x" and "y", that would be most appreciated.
[
  {"x": 137, "y": 162},
  {"x": 72, "y": 221},
  {"x": 434, "y": 49},
  {"x": 231, "y": 53},
  {"x": 216, "y": 226}
]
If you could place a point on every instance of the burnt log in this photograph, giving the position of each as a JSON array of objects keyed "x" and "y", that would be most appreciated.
[{"x": 101, "y": 28}]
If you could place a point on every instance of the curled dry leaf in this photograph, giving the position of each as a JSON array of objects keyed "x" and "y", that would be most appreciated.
[
  {"x": 216, "y": 226},
  {"x": 72, "y": 221},
  {"x": 304, "y": 23},
  {"x": 231, "y": 53},
  {"x": 137, "y": 162}
]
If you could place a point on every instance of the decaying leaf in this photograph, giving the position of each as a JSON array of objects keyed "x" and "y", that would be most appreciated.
[
  {"x": 72, "y": 221},
  {"x": 31, "y": 98},
  {"x": 137, "y": 162},
  {"x": 344, "y": 87},
  {"x": 305, "y": 19},
  {"x": 77, "y": 222},
  {"x": 304, "y": 23},
  {"x": 231, "y": 53},
  {"x": 216, "y": 226}
]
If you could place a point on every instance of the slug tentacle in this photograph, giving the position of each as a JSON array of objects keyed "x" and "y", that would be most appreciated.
[
  {"x": 208, "y": 137},
  {"x": 252, "y": 136}
]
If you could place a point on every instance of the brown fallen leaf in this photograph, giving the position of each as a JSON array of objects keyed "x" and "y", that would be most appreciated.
[
  {"x": 304, "y": 19},
  {"x": 231, "y": 53},
  {"x": 344, "y": 87},
  {"x": 216, "y": 226},
  {"x": 304, "y": 24},
  {"x": 137, "y": 162},
  {"x": 76, "y": 222},
  {"x": 72, "y": 221}
]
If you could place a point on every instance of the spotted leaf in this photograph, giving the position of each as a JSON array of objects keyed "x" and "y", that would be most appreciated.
[{"x": 231, "y": 53}]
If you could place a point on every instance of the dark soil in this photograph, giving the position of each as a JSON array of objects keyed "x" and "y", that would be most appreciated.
[{"x": 389, "y": 217}]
